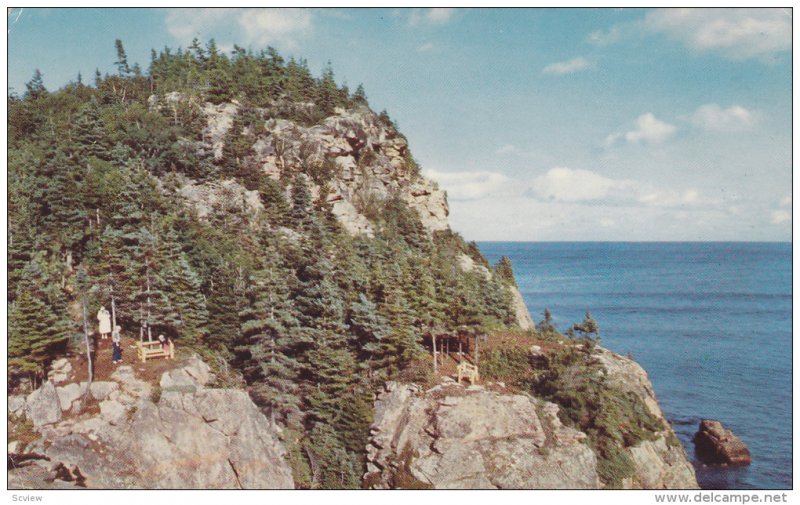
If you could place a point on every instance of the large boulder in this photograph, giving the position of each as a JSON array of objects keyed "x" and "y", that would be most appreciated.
[
  {"x": 59, "y": 370},
  {"x": 102, "y": 389},
  {"x": 16, "y": 405},
  {"x": 716, "y": 445},
  {"x": 194, "y": 437},
  {"x": 43, "y": 405},
  {"x": 68, "y": 394}
]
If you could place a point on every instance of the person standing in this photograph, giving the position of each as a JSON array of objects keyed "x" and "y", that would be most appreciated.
[
  {"x": 116, "y": 345},
  {"x": 104, "y": 322}
]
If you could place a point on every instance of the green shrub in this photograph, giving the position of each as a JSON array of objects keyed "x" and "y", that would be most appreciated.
[
  {"x": 22, "y": 431},
  {"x": 613, "y": 464},
  {"x": 298, "y": 462},
  {"x": 402, "y": 478},
  {"x": 507, "y": 362},
  {"x": 612, "y": 419},
  {"x": 155, "y": 394}
]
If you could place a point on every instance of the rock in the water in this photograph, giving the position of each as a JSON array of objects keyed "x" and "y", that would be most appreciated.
[
  {"x": 716, "y": 445},
  {"x": 43, "y": 405}
]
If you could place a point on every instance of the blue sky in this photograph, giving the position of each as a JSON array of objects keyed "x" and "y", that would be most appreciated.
[{"x": 542, "y": 124}]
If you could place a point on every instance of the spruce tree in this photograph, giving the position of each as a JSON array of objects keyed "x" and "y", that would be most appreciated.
[
  {"x": 34, "y": 89},
  {"x": 122, "y": 59},
  {"x": 271, "y": 342}
]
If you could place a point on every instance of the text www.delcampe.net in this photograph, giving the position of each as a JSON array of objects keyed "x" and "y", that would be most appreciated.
[{"x": 710, "y": 497}]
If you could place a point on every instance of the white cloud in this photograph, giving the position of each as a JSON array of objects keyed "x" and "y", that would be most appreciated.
[
  {"x": 427, "y": 46},
  {"x": 786, "y": 201},
  {"x": 735, "y": 33},
  {"x": 610, "y": 36},
  {"x": 648, "y": 129},
  {"x": 670, "y": 198},
  {"x": 436, "y": 16},
  {"x": 185, "y": 24},
  {"x": 713, "y": 117},
  {"x": 260, "y": 27},
  {"x": 468, "y": 185},
  {"x": 270, "y": 26},
  {"x": 567, "y": 67},
  {"x": 780, "y": 216},
  {"x": 561, "y": 184},
  {"x": 575, "y": 185}
]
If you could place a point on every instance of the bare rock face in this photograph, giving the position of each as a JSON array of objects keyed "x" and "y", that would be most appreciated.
[
  {"x": 43, "y": 405},
  {"x": 451, "y": 437},
  {"x": 660, "y": 463},
  {"x": 204, "y": 197},
  {"x": 189, "y": 437},
  {"x": 716, "y": 445},
  {"x": 369, "y": 157},
  {"x": 69, "y": 394},
  {"x": 59, "y": 370},
  {"x": 521, "y": 312}
]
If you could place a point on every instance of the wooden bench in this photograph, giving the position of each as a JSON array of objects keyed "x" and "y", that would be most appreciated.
[
  {"x": 469, "y": 371},
  {"x": 154, "y": 350}
]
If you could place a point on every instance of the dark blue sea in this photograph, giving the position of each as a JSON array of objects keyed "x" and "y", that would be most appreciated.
[{"x": 711, "y": 323}]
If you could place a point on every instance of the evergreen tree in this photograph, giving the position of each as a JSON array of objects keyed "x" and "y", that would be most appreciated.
[
  {"x": 34, "y": 89},
  {"x": 225, "y": 302},
  {"x": 271, "y": 343},
  {"x": 38, "y": 322},
  {"x": 122, "y": 59},
  {"x": 546, "y": 325},
  {"x": 505, "y": 272},
  {"x": 90, "y": 138}
]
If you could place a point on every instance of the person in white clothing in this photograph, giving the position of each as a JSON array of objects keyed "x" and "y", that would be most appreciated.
[{"x": 104, "y": 322}]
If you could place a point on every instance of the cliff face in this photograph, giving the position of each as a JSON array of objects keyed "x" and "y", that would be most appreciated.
[
  {"x": 179, "y": 434},
  {"x": 372, "y": 162},
  {"x": 662, "y": 462},
  {"x": 456, "y": 437},
  {"x": 452, "y": 437}
]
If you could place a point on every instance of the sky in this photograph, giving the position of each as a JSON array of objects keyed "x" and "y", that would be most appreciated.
[{"x": 541, "y": 124}]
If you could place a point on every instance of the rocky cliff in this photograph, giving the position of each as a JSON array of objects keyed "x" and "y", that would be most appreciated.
[
  {"x": 125, "y": 433},
  {"x": 371, "y": 162},
  {"x": 456, "y": 437}
]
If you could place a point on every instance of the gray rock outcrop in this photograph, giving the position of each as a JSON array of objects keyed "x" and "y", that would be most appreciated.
[
  {"x": 191, "y": 436},
  {"x": 43, "y": 406},
  {"x": 370, "y": 160},
  {"x": 660, "y": 463},
  {"x": 451, "y": 437}
]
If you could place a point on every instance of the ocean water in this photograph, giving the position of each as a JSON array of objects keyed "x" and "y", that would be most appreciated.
[{"x": 711, "y": 323}]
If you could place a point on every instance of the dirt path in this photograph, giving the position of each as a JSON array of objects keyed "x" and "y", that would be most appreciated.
[{"x": 103, "y": 367}]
